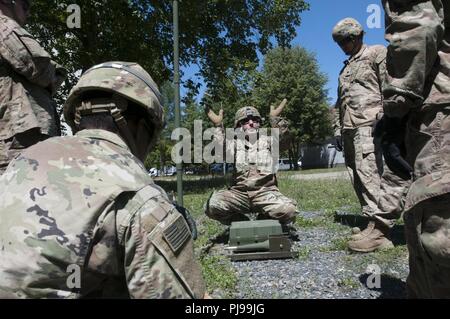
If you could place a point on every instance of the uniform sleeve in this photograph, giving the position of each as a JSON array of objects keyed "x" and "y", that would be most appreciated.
[
  {"x": 336, "y": 118},
  {"x": 159, "y": 254},
  {"x": 414, "y": 30},
  {"x": 380, "y": 66},
  {"x": 337, "y": 114},
  {"x": 26, "y": 57}
]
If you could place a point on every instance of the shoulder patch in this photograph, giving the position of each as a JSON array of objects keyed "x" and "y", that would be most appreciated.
[{"x": 177, "y": 233}]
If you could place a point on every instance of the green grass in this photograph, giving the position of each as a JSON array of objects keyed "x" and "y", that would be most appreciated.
[
  {"x": 321, "y": 195},
  {"x": 312, "y": 171},
  {"x": 339, "y": 244},
  {"x": 304, "y": 253},
  {"x": 383, "y": 258},
  {"x": 219, "y": 274},
  {"x": 309, "y": 223},
  {"x": 218, "y": 271},
  {"x": 349, "y": 283}
]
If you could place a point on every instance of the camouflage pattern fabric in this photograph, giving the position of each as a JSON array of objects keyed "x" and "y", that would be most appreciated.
[
  {"x": 427, "y": 228},
  {"x": 364, "y": 164},
  {"x": 347, "y": 28},
  {"x": 12, "y": 147},
  {"x": 254, "y": 163},
  {"x": 359, "y": 106},
  {"x": 254, "y": 179},
  {"x": 427, "y": 39},
  {"x": 391, "y": 201},
  {"x": 90, "y": 204},
  {"x": 227, "y": 206},
  {"x": 126, "y": 79},
  {"x": 245, "y": 112},
  {"x": 28, "y": 78},
  {"x": 359, "y": 91},
  {"x": 418, "y": 67}
]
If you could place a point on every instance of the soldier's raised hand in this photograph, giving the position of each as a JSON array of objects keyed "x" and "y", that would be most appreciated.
[
  {"x": 274, "y": 112},
  {"x": 216, "y": 119}
]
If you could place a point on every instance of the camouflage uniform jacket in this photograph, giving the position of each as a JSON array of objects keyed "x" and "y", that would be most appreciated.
[
  {"x": 28, "y": 77},
  {"x": 360, "y": 89},
  {"x": 418, "y": 66},
  {"x": 90, "y": 205},
  {"x": 254, "y": 159}
]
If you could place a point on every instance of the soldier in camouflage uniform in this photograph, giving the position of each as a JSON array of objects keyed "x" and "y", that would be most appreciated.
[
  {"x": 28, "y": 78},
  {"x": 358, "y": 109},
  {"x": 86, "y": 202},
  {"x": 254, "y": 188},
  {"x": 417, "y": 92}
]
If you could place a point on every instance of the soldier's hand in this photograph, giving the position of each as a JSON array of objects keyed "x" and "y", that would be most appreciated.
[
  {"x": 274, "y": 112},
  {"x": 395, "y": 161},
  {"x": 398, "y": 105},
  {"x": 338, "y": 142},
  {"x": 216, "y": 119},
  {"x": 189, "y": 220},
  {"x": 392, "y": 144}
]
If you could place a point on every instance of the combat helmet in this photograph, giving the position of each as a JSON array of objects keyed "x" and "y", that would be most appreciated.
[
  {"x": 347, "y": 28},
  {"x": 126, "y": 82},
  {"x": 245, "y": 112}
]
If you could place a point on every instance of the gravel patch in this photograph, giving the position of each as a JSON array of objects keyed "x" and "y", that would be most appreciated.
[{"x": 324, "y": 269}]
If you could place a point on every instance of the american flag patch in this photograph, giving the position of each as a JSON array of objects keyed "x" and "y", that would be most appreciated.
[{"x": 176, "y": 234}]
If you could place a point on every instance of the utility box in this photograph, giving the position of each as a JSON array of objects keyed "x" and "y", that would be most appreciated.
[{"x": 259, "y": 239}]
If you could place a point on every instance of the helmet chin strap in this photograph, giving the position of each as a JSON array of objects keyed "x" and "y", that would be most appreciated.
[{"x": 115, "y": 108}]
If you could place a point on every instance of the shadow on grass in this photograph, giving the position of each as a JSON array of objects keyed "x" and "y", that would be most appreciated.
[
  {"x": 353, "y": 220},
  {"x": 222, "y": 238},
  {"x": 202, "y": 185},
  {"x": 390, "y": 287}
]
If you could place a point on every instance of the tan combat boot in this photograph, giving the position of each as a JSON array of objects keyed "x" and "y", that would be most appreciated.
[
  {"x": 365, "y": 232},
  {"x": 378, "y": 238}
]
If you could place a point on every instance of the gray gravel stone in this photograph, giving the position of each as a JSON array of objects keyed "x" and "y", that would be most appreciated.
[{"x": 322, "y": 272}]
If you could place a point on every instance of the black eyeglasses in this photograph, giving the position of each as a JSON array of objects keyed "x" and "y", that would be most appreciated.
[{"x": 252, "y": 118}]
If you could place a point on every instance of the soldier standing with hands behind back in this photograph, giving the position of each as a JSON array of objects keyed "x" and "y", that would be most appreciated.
[
  {"x": 358, "y": 110},
  {"x": 28, "y": 79}
]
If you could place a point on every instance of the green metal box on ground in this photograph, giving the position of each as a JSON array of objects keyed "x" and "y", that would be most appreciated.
[
  {"x": 259, "y": 239},
  {"x": 251, "y": 232}
]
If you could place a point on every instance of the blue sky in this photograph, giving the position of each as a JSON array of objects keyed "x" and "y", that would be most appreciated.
[{"x": 314, "y": 34}]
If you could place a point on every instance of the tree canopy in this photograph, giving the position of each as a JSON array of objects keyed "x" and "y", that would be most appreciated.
[
  {"x": 213, "y": 33},
  {"x": 294, "y": 74}
]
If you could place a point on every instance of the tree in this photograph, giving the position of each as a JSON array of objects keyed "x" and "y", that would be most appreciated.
[
  {"x": 293, "y": 73},
  {"x": 213, "y": 33},
  {"x": 233, "y": 90}
]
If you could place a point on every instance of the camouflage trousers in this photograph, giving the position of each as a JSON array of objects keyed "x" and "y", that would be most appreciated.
[
  {"x": 391, "y": 201},
  {"x": 427, "y": 227},
  {"x": 12, "y": 147},
  {"x": 364, "y": 164},
  {"x": 227, "y": 206},
  {"x": 380, "y": 192}
]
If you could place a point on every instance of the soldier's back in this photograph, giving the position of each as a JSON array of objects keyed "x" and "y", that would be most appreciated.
[{"x": 59, "y": 212}]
